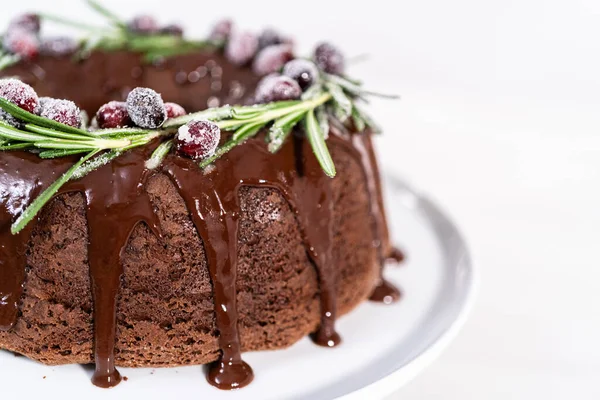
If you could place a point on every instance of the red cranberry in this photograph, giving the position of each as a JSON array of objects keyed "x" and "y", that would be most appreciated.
[
  {"x": 20, "y": 94},
  {"x": 174, "y": 110},
  {"x": 277, "y": 88},
  {"x": 329, "y": 59},
  {"x": 221, "y": 30},
  {"x": 172, "y": 29},
  {"x": 63, "y": 111},
  {"x": 21, "y": 42},
  {"x": 302, "y": 71},
  {"x": 113, "y": 115},
  {"x": 272, "y": 59},
  {"x": 241, "y": 48},
  {"x": 143, "y": 25},
  {"x": 198, "y": 139},
  {"x": 29, "y": 22},
  {"x": 59, "y": 46},
  {"x": 146, "y": 108},
  {"x": 270, "y": 37}
]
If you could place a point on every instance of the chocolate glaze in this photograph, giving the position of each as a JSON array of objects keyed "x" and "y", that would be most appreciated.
[{"x": 117, "y": 200}]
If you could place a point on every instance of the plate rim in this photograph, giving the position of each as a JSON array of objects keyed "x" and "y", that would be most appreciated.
[{"x": 391, "y": 382}]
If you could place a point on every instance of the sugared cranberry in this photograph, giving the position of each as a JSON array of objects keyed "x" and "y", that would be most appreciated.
[
  {"x": 63, "y": 111},
  {"x": 198, "y": 139},
  {"x": 302, "y": 71},
  {"x": 269, "y": 37},
  {"x": 143, "y": 25},
  {"x": 241, "y": 48},
  {"x": 174, "y": 110},
  {"x": 221, "y": 30},
  {"x": 329, "y": 59},
  {"x": 277, "y": 88},
  {"x": 21, "y": 42},
  {"x": 20, "y": 94},
  {"x": 146, "y": 108},
  {"x": 58, "y": 46},
  {"x": 113, "y": 115},
  {"x": 29, "y": 22},
  {"x": 172, "y": 29},
  {"x": 272, "y": 59}
]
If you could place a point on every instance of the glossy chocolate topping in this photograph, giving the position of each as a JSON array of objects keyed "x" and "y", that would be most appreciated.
[{"x": 117, "y": 200}]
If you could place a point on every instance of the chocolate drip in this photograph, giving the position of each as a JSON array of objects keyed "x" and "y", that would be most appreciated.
[
  {"x": 361, "y": 147},
  {"x": 213, "y": 201},
  {"x": 116, "y": 203}
]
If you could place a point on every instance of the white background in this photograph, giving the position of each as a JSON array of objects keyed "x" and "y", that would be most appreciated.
[{"x": 500, "y": 123}]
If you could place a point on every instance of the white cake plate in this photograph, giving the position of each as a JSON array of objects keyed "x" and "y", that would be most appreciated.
[{"x": 384, "y": 346}]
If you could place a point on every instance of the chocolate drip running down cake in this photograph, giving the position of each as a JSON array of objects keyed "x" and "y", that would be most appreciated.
[{"x": 186, "y": 232}]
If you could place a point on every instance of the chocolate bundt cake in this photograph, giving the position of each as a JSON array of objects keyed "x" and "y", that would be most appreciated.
[{"x": 151, "y": 236}]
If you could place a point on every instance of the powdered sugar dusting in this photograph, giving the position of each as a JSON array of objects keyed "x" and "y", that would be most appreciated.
[
  {"x": 20, "y": 94},
  {"x": 146, "y": 108},
  {"x": 198, "y": 139},
  {"x": 272, "y": 58},
  {"x": 63, "y": 111},
  {"x": 302, "y": 71}
]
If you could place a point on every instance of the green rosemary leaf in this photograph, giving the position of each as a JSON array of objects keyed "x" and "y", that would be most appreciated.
[
  {"x": 106, "y": 13},
  {"x": 321, "y": 114},
  {"x": 317, "y": 142},
  {"x": 359, "y": 122},
  {"x": 57, "y": 153},
  {"x": 119, "y": 132},
  {"x": 282, "y": 128},
  {"x": 211, "y": 114},
  {"x": 159, "y": 154},
  {"x": 68, "y": 22},
  {"x": 63, "y": 144},
  {"x": 368, "y": 120},
  {"x": 231, "y": 144},
  {"x": 95, "y": 163},
  {"x": 15, "y": 146},
  {"x": 26, "y": 116},
  {"x": 9, "y": 133},
  {"x": 313, "y": 91},
  {"x": 54, "y": 133},
  {"x": 355, "y": 89},
  {"x": 32, "y": 210},
  {"x": 339, "y": 97},
  {"x": 246, "y": 131},
  {"x": 8, "y": 59},
  {"x": 153, "y": 42}
]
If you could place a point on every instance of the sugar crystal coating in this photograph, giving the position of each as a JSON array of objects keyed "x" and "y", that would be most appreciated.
[
  {"x": 58, "y": 46},
  {"x": 221, "y": 30},
  {"x": 143, "y": 24},
  {"x": 276, "y": 87},
  {"x": 63, "y": 111},
  {"x": 21, "y": 42},
  {"x": 146, "y": 108},
  {"x": 302, "y": 71},
  {"x": 198, "y": 139},
  {"x": 29, "y": 22},
  {"x": 174, "y": 110},
  {"x": 329, "y": 59},
  {"x": 241, "y": 48},
  {"x": 20, "y": 94},
  {"x": 272, "y": 59},
  {"x": 113, "y": 115}
]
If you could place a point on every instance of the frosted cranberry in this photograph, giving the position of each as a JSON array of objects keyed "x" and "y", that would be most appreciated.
[
  {"x": 59, "y": 46},
  {"x": 143, "y": 24},
  {"x": 174, "y": 110},
  {"x": 20, "y": 94},
  {"x": 63, "y": 111},
  {"x": 269, "y": 37},
  {"x": 241, "y": 48},
  {"x": 21, "y": 42},
  {"x": 302, "y": 71},
  {"x": 221, "y": 30},
  {"x": 146, "y": 108},
  {"x": 329, "y": 59},
  {"x": 28, "y": 22},
  {"x": 272, "y": 59},
  {"x": 172, "y": 29},
  {"x": 277, "y": 88},
  {"x": 113, "y": 115},
  {"x": 198, "y": 139}
]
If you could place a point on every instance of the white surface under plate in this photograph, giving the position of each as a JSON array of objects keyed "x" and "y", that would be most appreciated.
[{"x": 383, "y": 346}]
